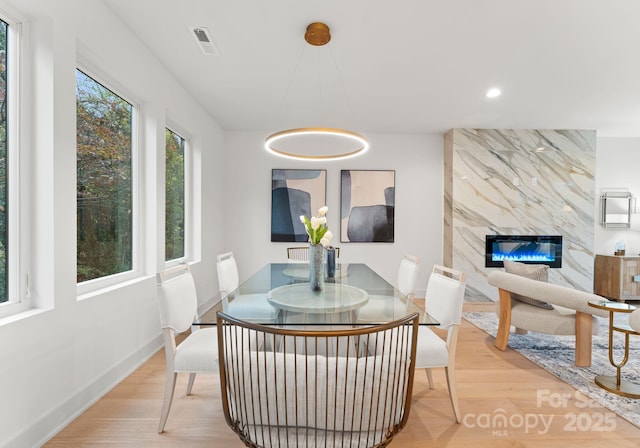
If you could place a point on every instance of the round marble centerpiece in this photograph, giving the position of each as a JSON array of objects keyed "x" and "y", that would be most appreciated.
[{"x": 334, "y": 298}]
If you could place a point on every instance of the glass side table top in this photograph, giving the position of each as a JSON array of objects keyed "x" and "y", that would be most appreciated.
[{"x": 618, "y": 307}]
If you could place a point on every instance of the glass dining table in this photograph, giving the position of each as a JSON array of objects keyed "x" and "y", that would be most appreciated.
[{"x": 280, "y": 294}]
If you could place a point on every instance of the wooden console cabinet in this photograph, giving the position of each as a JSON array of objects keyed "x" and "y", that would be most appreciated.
[{"x": 614, "y": 277}]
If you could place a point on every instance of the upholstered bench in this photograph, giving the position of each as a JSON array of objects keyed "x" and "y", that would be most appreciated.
[{"x": 569, "y": 312}]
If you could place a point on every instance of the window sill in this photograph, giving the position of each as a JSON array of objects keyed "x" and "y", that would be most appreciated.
[
  {"x": 21, "y": 315},
  {"x": 113, "y": 287}
]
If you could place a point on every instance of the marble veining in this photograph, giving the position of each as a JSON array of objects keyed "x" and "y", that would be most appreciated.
[{"x": 519, "y": 182}]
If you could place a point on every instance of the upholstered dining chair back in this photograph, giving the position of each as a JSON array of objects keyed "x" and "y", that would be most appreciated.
[
  {"x": 198, "y": 352},
  {"x": 407, "y": 274},
  {"x": 285, "y": 387},
  {"x": 228, "y": 278},
  {"x": 384, "y": 304},
  {"x": 178, "y": 298},
  {"x": 445, "y": 296}
]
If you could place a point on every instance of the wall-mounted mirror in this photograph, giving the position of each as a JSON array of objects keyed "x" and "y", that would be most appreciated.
[{"x": 615, "y": 209}]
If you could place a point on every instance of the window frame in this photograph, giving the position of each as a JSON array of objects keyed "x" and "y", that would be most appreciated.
[
  {"x": 87, "y": 288},
  {"x": 188, "y": 202},
  {"x": 18, "y": 294}
]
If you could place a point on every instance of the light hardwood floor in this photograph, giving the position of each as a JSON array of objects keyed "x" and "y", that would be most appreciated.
[{"x": 490, "y": 383}]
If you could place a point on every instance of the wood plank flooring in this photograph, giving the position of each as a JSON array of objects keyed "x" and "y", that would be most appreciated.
[{"x": 539, "y": 409}]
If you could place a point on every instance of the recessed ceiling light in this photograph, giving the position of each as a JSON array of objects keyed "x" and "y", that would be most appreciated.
[{"x": 493, "y": 92}]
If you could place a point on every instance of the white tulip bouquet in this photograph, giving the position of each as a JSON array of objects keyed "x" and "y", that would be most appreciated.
[{"x": 316, "y": 227}]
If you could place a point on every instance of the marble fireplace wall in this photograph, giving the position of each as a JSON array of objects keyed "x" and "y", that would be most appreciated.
[{"x": 519, "y": 182}]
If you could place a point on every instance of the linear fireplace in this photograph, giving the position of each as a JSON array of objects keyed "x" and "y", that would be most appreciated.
[{"x": 531, "y": 249}]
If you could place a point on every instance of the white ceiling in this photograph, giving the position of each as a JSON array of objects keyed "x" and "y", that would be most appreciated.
[{"x": 406, "y": 66}]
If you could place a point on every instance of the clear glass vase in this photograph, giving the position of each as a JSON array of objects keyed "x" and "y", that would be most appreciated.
[{"x": 316, "y": 267}]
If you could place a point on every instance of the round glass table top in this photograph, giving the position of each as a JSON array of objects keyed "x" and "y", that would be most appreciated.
[
  {"x": 334, "y": 298},
  {"x": 608, "y": 305}
]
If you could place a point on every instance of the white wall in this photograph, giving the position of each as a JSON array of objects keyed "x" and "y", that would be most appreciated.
[
  {"x": 417, "y": 160},
  {"x": 56, "y": 361},
  {"x": 617, "y": 166}
]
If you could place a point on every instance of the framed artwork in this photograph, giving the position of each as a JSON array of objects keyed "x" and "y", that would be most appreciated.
[
  {"x": 295, "y": 193},
  {"x": 367, "y": 206}
]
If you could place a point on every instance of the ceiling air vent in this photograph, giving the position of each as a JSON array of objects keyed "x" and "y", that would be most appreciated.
[{"x": 204, "y": 40}]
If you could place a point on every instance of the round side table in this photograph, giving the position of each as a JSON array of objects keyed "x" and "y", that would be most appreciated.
[{"x": 616, "y": 384}]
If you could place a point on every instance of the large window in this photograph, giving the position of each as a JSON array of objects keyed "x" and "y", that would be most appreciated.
[
  {"x": 13, "y": 278},
  {"x": 104, "y": 182},
  {"x": 4, "y": 154},
  {"x": 174, "y": 206}
]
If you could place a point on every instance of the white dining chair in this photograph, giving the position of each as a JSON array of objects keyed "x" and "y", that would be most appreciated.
[
  {"x": 443, "y": 300},
  {"x": 198, "y": 352},
  {"x": 253, "y": 307},
  {"x": 383, "y": 304}
]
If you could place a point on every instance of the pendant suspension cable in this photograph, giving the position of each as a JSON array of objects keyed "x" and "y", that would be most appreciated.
[{"x": 317, "y": 143}]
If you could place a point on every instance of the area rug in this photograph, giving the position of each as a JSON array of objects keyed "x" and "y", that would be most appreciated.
[{"x": 556, "y": 355}]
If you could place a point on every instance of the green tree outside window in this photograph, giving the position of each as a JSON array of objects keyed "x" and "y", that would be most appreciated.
[
  {"x": 174, "y": 201},
  {"x": 104, "y": 180}
]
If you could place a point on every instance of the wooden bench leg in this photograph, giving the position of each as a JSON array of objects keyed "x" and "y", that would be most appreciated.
[
  {"x": 584, "y": 332},
  {"x": 504, "y": 319}
]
